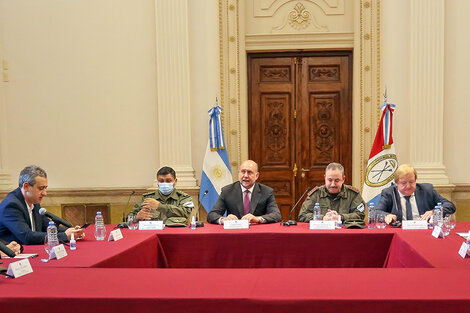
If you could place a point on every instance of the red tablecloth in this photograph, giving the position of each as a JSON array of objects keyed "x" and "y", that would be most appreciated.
[
  {"x": 138, "y": 249},
  {"x": 402, "y": 271},
  {"x": 266, "y": 246},
  {"x": 237, "y": 290}
]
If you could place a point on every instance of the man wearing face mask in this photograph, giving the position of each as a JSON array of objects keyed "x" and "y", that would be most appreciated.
[{"x": 168, "y": 204}]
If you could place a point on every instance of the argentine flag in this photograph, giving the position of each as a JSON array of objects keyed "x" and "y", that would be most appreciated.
[
  {"x": 382, "y": 163},
  {"x": 216, "y": 171}
]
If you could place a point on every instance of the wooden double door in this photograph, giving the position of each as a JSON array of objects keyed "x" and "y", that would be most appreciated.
[{"x": 300, "y": 119}]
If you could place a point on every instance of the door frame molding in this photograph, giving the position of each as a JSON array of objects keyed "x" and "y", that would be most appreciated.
[{"x": 364, "y": 42}]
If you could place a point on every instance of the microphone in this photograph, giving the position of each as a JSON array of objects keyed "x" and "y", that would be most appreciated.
[
  {"x": 55, "y": 218},
  {"x": 291, "y": 222},
  {"x": 124, "y": 224},
  {"x": 6, "y": 250},
  {"x": 198, "y": 223}
]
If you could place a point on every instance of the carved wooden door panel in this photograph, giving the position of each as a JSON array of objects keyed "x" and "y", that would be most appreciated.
[
  {"x": 299, "y": 119},
  {"x": 272, "y": 127},
  {"x": 324, "y": 118}
]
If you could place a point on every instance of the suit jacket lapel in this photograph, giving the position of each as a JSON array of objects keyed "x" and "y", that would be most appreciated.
[
  {"x": 24, "y": 208},
  {"x": 37, "y": 218},
  {"x": 255, "y": 197},
  {"x": 396, "y": 195},
  {"x": 419, "y": 197}
]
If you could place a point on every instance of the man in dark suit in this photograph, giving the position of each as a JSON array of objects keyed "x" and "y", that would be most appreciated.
[
  {"x": 20, "y": 220},
  {"x": 408, "y": 200},
  {"x": 246, "y": 199}
]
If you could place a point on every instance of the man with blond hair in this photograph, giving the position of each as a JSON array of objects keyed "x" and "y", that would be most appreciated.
[{"x": 408, "y": 200}]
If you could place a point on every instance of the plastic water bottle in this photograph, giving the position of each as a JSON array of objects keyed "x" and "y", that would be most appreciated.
[
  {"x": 371, "y": 217},
  {"x": 440, "y": 220},
  {"x": 73, "y": 243},
  {"x": 52, "y": 239},
  {"x": 193, "y": 222},
  {"x": 339, "y": 223},
  {"x": 316, "y": 212},
  {"x": 435, "y": 217},
  {"x": 100, "y": 230}
]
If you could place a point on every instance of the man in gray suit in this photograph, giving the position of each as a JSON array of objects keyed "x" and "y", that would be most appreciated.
[{"x": 246, "y": 199}]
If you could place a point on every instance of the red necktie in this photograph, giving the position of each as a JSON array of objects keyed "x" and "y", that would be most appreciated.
[{"x": 246, "y": 202}]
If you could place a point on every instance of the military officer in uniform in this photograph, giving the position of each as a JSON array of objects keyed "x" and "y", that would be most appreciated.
[
  {"x": 168, "y": 204},
  {"x": 335, "y": 198}
]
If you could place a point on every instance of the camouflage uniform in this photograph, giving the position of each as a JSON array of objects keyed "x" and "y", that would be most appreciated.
[
  {"x": 173, "y": 209},
  {"x": 348, "y": 203}
]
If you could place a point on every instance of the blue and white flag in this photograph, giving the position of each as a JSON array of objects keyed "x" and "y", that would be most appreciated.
[
  {"x": 382, "y": 163},
  {"x": 216, "y": 171}
]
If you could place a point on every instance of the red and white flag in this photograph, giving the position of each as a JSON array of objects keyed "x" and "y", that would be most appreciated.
[{"x": 382, "y": 163}]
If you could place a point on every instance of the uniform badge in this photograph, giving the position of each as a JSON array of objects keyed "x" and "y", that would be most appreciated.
[
  {"x": 189, "y": 204},
  {"x": 360, "y": 207}
]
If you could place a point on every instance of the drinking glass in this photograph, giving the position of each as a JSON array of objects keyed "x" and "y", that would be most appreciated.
[
  {"x": 452, "y": 220},
  {"x": 46, "y": 245},
  {"x": 446, "y": 227},
  {"x": 380, "y": 221},
  {"x": 132, "y": 222}
]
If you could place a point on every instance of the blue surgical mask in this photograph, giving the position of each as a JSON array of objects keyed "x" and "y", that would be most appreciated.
[{"x": 165, "y": 188}]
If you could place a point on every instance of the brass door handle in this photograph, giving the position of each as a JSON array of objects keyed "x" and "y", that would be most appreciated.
[{"x": 303, "y": 172}]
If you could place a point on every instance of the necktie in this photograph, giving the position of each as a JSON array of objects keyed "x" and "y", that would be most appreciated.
[
  {"x": 409, "y": 213},
  {"x": 246, "y": 202}
]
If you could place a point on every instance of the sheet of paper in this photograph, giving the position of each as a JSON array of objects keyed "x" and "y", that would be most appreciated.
[{"x": 26, "y": 255}]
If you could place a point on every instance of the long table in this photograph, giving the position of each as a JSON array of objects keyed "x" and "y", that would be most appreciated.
[{"x": 267, "y": 267}]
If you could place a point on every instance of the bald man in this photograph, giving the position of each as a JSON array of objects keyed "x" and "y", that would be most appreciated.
[{"x": 246, "y": 199}]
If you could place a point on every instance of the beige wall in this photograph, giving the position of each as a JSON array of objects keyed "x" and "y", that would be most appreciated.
[
  {"x": 205, "y": 74},
  {"x": 81, "y": 99},
  {"x": 456, "y": 97}
]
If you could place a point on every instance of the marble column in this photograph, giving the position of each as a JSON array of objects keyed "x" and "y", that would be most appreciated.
[
  {"x": 173, "y": 89},
  {"x": 427, "y": 90}
]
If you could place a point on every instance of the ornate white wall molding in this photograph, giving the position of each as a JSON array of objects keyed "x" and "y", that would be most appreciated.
[
  {"x": 232, "y": 77},
  {"x": 363, "y": 37},
  {"x": 264, "y": 8},
  {"x": 306, "y": 41},
  {"x": 173, "y": 89},
  {"x": 367, "y": 87},
  {"x": 427, "y": 89}
]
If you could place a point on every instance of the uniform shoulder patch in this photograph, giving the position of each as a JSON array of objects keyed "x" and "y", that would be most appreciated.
[
  {"x": 148, "y": 193},
  {"x": 313, "y": 190},
  {"x": 353, "y": 189},
  {"x": 360, "y": 207}
]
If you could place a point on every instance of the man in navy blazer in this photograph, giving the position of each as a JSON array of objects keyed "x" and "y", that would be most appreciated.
[
  {"x": 396, "y": 200},
  {"x": 20, "y": 220},
  {"x": 246, "y": 199}
]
